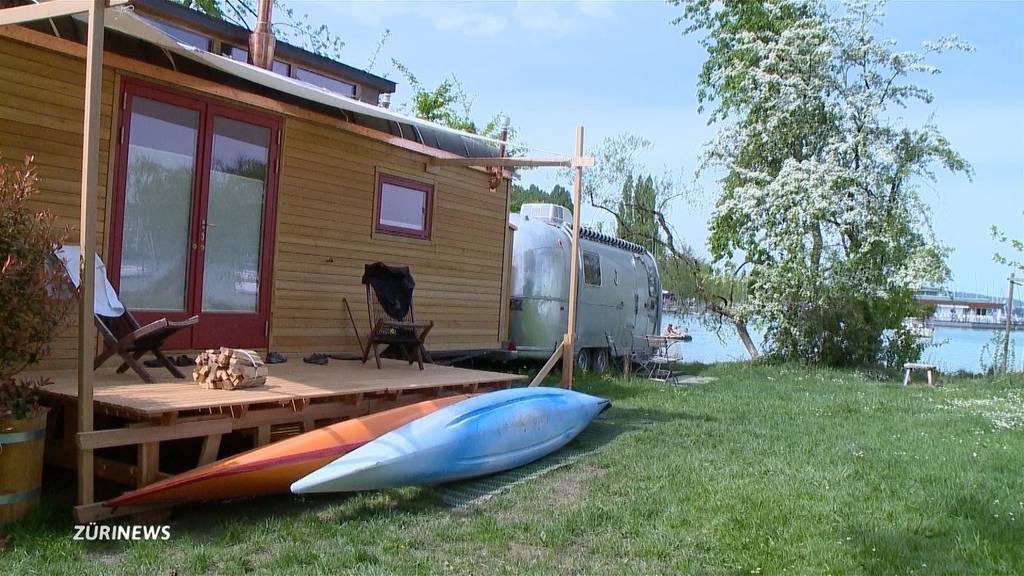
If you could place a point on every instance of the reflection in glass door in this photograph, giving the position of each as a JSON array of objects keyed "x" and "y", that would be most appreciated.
[
  {"x": 159, "y": 176},
  {"x": 234, "y": 216}
]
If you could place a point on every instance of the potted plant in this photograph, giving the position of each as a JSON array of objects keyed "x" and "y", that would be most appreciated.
[
  {"x": 22, "y": 430},
  {"x": 34, "y": 298}
]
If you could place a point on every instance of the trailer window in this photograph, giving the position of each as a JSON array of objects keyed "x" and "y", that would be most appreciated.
[
  {"x": 591, "y": 268},
  {"x": 403, "y": 207}
]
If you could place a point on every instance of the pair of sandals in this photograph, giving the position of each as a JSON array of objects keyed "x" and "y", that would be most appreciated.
[
  {"x": 182, "y": 361},
  {"x": 185, "y": 361},
  {"x": 317, "y": 358},
  {"x": 321, "y": 359}
]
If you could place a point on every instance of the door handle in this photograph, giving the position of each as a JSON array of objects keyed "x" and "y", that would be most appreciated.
[{"x": 202, "y": 233}]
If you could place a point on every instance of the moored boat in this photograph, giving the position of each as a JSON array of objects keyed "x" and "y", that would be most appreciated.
[{"x": 483, "y": 435}]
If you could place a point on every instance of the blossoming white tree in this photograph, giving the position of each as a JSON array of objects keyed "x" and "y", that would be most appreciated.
[{"x": 819, "y": 199}]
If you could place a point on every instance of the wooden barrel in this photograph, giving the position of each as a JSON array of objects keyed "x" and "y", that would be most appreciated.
[{"x": 21, "y": 464}]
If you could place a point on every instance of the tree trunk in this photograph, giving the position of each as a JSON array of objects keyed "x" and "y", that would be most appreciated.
[{"x": 748, "y": 342}]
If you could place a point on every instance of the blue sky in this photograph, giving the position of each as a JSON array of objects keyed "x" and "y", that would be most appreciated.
[{"x": 622, "y": 67}]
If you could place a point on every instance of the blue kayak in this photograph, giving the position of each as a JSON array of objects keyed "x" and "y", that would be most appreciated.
[{"x": 481, "y": 435}]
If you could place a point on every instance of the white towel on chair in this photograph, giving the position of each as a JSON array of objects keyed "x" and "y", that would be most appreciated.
[{"x": 105, "y": 301}]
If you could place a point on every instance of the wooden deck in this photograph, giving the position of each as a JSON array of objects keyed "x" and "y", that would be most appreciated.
[
  {"x": 297, "y": 397},
  {"x": 291, "y": 383}
]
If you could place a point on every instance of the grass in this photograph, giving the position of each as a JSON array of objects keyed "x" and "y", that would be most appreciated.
[{"x": 771, "y": 469}]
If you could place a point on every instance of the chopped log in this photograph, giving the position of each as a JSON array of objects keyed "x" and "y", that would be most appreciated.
[{"x": 229, "y": 369}]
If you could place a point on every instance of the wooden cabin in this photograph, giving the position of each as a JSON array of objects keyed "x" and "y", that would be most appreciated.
[{"x": 254, "y": 197}]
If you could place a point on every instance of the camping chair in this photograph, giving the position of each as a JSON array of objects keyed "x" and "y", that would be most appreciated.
[
  {"x": 659, "y": 365},
  {"x": 392, "y": 320},
  {"x": 122, "y": 334}
]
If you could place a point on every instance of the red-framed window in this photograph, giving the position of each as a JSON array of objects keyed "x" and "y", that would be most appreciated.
[{"x": 404, "y": 207}]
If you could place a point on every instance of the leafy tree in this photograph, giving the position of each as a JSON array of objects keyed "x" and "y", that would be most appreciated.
[
  {"x": 534, "y": 194},
  {"x": 1016, "y": 262},
  {"x": 625, "y": 213},
  {"x": 712, "y": 290},
  {"x": 450, "y": 105},
  {"x": 635, "y": 220},
  {"x": 819, "y": 198}
]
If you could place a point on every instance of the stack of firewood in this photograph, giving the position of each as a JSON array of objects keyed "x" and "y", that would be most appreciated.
[{"x": 228, "y": 369}]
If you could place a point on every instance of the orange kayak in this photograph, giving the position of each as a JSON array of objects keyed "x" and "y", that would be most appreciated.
[{"x": 271, "y": 469}]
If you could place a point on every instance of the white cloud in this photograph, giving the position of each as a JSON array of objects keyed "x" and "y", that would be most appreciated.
[
  {"x": 370, "y": 14},
  {"x": 542, "y": 17},
  {"x": 449, "y": 17},
  {"x": 474, "y": 18},
  {"x": 595, "y": 8}
]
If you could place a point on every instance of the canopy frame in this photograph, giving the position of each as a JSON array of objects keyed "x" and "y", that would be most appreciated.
[{"x": 96, "y": 24}]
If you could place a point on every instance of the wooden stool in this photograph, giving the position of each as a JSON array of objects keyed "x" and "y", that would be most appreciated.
[{"x": 911, "y": 366}]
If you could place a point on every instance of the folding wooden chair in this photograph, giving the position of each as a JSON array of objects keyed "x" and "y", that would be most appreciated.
[
  {"x": 124, "y": 337},
  {"x": 404, "y": 333},
  {"x": 122, "y": 334},
  {"x": 660, "y": 365}
]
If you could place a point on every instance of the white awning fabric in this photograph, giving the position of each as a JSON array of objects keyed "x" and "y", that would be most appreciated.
[{"x": 125, "y": 21}]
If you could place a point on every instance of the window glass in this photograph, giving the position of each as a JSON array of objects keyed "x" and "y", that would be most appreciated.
[
  {"x": 242, "y": 55},
  {"x": 280, "y": 67},
  {"x": 157, "y": 205},
  {"x": 322, "y": 81},
  {"x": 591, "y": 269},
  {"x": 236, "y": 53},
  {"x": 403, "y": 207},
  {"x": 238, "y": 176}
]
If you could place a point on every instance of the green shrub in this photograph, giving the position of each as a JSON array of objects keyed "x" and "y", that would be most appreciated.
[{"x": 33, "y": 288}]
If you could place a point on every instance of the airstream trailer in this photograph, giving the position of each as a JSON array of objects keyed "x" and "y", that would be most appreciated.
[{"x": 618, "y": 298}]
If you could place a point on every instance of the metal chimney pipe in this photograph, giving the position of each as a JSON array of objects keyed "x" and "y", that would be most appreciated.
[{"x": 261, "y": 40}]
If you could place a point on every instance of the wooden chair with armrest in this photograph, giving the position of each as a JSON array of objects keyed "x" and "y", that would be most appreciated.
[
  {"x": 122, "y": 334},
  {"x": 390, "y": 327}
]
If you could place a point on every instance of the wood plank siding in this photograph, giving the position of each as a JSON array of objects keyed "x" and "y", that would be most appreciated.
[
  {"x": 42, "y": 101},
  {"x": 325, "y": 236},
  {"x": 325, "y": 206}
]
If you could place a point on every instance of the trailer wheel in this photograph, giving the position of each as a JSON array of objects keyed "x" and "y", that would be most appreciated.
[
  {"x": 583, "y": 360},
  {"x": 599, "y": 357}
]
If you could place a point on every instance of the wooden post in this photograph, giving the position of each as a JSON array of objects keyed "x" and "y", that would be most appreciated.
[
  {"x": 1009, "y": 324},
  {"x": 87, "y": 241},
  {"x": 568, "y": 353}
]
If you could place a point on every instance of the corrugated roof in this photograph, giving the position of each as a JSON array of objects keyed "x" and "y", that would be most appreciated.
[
  {"x": 240, "y": 36},
  {"x": 392, "y": 122}
]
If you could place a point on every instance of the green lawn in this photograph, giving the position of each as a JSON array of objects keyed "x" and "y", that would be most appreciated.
[{"x": 768, "y": 470}]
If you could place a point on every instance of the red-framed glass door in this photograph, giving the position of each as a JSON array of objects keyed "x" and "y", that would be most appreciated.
[{"x": 192, "y": 218}]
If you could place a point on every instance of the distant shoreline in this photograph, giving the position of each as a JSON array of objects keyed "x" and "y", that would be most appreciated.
[{"x": 1015, "y": 327}]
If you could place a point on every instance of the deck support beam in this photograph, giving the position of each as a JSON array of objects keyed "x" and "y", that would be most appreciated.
[
  {"x": 555, "y": 357},
  {"x": 87, "y": 224},
  {"x": 514, "y": 162},
  {"x": 87, "y": 241},
  {"x": 565, "y": 350},
  {"x": 50, "y": 9},
  {"x": 568, "y": 352}
]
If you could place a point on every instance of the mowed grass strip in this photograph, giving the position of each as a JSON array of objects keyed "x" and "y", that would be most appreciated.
[{"x": 770, "y": 469}]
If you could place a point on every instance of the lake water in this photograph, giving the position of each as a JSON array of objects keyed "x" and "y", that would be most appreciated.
[{"x": 952, "y": 349}]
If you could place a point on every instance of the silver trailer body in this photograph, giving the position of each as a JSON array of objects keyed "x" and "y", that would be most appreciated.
[{"x": 619, "y": 293}]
